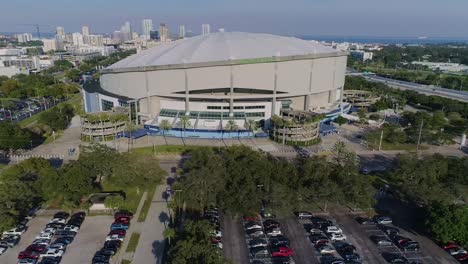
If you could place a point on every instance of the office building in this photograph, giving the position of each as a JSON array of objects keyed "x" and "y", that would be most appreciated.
[
  {"x": 51, "y": 45},
  {"x": 206, "y": 29},
  {"x": 85, "y": 30},
  {"x": 60, "y": 31},
  {"x": 126, "y": 31},
  {"x": 215, "y": 78},
  {"x": 361, "y": 55},
  {"x": 182, "y": 31},
  {"x": 163, "y": 32},
  {"x": 95, "y": 40},
  {"x": 25, "y": 37},
  {"x": 154, "y": 35},
  {"x": 147, "y": 25}
]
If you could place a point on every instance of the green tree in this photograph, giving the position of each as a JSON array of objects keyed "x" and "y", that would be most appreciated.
[
  {"x": 73, "y": 74},
  {"x": 251, "y": 125},
  {"x": 448, "y": 222},
  {"x": 13, "y": 137},
  {"x": 184, "y": 122},
  {"x": 340, "y": 120},
  {"x": 9, "y": 86},
  {"x": 114, "y": 202},
  {"x": 169, "y": 233},
  {"x": 362, "y": 114},
  {"x": 165, "y": 125}
]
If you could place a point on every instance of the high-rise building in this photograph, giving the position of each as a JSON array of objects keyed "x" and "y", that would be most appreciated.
[
  {"x": 85, "y": 30},
  {"x": 182, "y": 31},
  {"x": 25, "y": 37},
  {"x": 95, "y": 40},
  {"x": 60, "y": 31},
  {"x": 147, "y": 26},
  {"x": 126, "y": 31},
  {"x": 49, "y": 44},
  {"x": 154, "y": 35},
  {"x": 206, "y": 29},
  {"x": 163, "y": 32},
  {"x": 77, "y": 39}
]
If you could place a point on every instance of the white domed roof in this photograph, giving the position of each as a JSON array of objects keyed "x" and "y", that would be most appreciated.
[{"x": 222, "y": 46}]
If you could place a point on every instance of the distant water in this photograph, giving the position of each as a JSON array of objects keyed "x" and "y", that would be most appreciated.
[{"x": 387, "y": 40}]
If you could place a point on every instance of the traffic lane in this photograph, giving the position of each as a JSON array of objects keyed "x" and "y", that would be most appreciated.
[
  {"x": 359, "y": 238},
  {"x": 89, "y": 239},
  {"x": 234, "y": 245},
  {"x": 35, "y": 226},
  {"x": 304, "y": 252}
]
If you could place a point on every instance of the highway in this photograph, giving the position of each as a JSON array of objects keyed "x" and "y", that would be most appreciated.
[{"x": 421, "y": 88}]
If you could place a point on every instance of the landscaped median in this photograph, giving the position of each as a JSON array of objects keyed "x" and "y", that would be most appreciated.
[
  {"x": 133, "y": 243},
  {"x": 167, "y": 149},
  {"x": 146, "y": 205}
]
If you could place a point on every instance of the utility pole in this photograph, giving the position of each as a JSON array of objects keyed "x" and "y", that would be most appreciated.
[
  {"x": 380, "y": 143},
  {"x": 420, "y": 132}
]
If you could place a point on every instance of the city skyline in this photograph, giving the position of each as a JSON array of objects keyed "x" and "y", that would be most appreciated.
[{"x": 335, "y": 17}]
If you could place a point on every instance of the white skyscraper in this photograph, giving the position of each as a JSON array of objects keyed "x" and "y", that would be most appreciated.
[
  {"x": 147, "y": 25},
  {"x": 206, "y": 29},
  {"x": 85, "y": 31},
  {"x": 182, "y": 31},
  {"x": 126, "y": 31},
  {"x": 163, "y": 32},
  {"x": 77, "y": 39},
  {"x": 60, "y": 31}
]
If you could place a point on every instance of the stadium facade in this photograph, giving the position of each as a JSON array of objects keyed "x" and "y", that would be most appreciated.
[{"x": 223, "y": 76}]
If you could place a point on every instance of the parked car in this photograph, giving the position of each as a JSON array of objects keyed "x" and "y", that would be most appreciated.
[
  {"x": 107, "y": 251},
  {"x": 456, "y": 251},
  {"x": 410, "y": 246},
  {"x": 325, "y": 249},
  {"x": 64, "y": 240},
  {"x": 60, "y": 246},
  {"x": 365, "y": 221},
  {"x": 123, "y": 214},
  {"x": 114, "y": 244},
  {"x": 258, "y": 251},
  {"x": 42, "y": 241},
  {"x": 58, "y": 220},
  {"x": 315, "y": 231},
  {"x": 252, "y": 218},
  {"x": 461, "y": 257},
  {"x": 62, "y": 215},
  {"x": 281, "y": 252},
  {"x": 333, "y": 230},
  {"x": 3, "y": 249},
  {"x": 258, "y": 243},
  {"x": 45, "y": 235},
  {"x": 10, "y": 240},
  {"x": 274, "y": 232},
  {"x": 252, "y": 225},
  {"x": 255, "y": 233},
  {"x": 383, "y": 220},
  {"x": 344, "y": 248},
  {"x": 50, "y": 260},
  {"x": 118, "y": 232},
  {"x": 279, "y": 241},
  {"x": 381, "y": 241},
  {"x": 122, "y": 219},
  {"x": 318, "y": 239},
  {"x": 353, "y": 257},
  {"x": 337, "y": 237},
  {"x": 304, "y": 215},
  {"x": 55, "y": 225},
  {"x": 27, "y": 261},
  {"x": 115, "y": 237},
  {"x": 115, "y": 226},
  {"x": 100, "y": 258},
  {"x": 271, "y": 224},
  {"x": 52, "y": 253},
  {"x": 450, "y": 245},
  {"x": 71, "y": 228},
  {"x": 389, "y": 230},
  {"x": 17, "y": 231},
  {"x": 394, "y": 258},
  {"x": 28, "y": 254},
  {"x": 36, "y": 247},
  {"x": 50, "y": 230}
]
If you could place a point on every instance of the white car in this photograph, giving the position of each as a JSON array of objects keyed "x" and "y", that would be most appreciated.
[
  {"x": 216, "y": 233},
  {"x": 15, "y": 231},
  {"x": 302, "y": 215},
  {"x": 274, "y": 232},
  {"x": 58, "y": 220},
  {"x": 252, "y": 225},
  {"x": 52, "y": 253},
  {"x": 44, "y": 235},
  {"x": 42, "y": 241},
  {"x": 115, "y": 237},
  {"x": 219, "y": 245},
  {"x": 315, "y": 231},
  {"x": 2, "y": 250},
  {"x": 383, "y": 220},
  {"x": 337, "y": 237},
  {"x": 456, "y": 251},
  {"x": 71, "y": 228},
  {"x": 27, "y": 261},
  {"x": 334, "y": 230},
  {"x": 59, "y": 246},
  {"x": 326, "y": 249}
]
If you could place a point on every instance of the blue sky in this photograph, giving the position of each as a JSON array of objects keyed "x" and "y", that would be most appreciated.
[{"x": 443, "y": 18}]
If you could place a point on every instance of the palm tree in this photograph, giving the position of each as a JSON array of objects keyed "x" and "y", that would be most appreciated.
[
  {"x": 184, "y": 122},
  {"x": 130, "y": 128},
  {"x": 277, "y": 122},
  {"x": 165, "y": 125},
  {"x": 231, "y": 125},
  {"x": 251, "y": 125},
  {"x": 169, "y": 233}
]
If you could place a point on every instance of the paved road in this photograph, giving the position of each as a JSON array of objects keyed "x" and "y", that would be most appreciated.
[
  {"x": 151, "y": 246},
  {"x": 304, "y": 252},
  {"x": 234, "y": 245},
  {"x": 421, "y": 88}
]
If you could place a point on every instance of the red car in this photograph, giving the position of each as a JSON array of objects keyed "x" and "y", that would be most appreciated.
[
  {"x": 123, "y": 214},
  {"x": 28, "y": 254},
  {"x": 119, "y": 232},
  {"x": 282, "y": 252},
  {"x": 36, "y": 248},
  {"x": 122, "y": 220},
  {"x": 462, "y": 257},
  {"x": 252, "y": 218},
  {"x": 449, "y": 245}
]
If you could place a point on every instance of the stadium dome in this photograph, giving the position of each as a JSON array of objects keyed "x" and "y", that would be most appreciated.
[{"x": 222, "y": 47}]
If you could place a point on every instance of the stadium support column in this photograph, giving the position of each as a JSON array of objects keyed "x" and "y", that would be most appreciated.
[
  {"x": 187, "y": 100},
  {"x": 308, "y": 96},
  {"x": 231, "y": 93},
  {"x": 275, "y": 86},
  {"x": 148, "y": 103}
]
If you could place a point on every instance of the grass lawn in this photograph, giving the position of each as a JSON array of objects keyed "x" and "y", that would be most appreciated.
[
  {"x": 133, "y": 243},
  {"x": 405, "y": 146},
  {"x": 133, "y": 195},
  {"x": 146, "y": 204},
  {"x": 167, "y": 149},
  {"x": 124, "y": 261},
  {"x": 75, "y": 101}
]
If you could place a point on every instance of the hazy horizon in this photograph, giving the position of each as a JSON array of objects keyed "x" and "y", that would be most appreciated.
[{"x": 365, "y": 18}]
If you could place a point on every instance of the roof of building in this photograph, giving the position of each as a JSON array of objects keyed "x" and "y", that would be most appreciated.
[{"x": 222, "y": 47}]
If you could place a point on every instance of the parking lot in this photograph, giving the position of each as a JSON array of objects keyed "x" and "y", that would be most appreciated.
[
  {"x": 304, "y": 252},
  {"x": 89, "y": 239},
  {"x": 35, "y": 226}
]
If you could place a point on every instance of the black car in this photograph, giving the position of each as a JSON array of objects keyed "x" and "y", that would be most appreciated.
[
  {"x": 389, "y": 230},
  {"x": 279, "y": 241},
  {"x": 281, "y": 260},
  {"x": 10, "y": 240},
  {"x": 80, "y": 215},
  {"x": 55, "y": 225},
  {"x": 258, "y": 242},
  {"x": 271, "y": 224},
  {"x": 410, "y": 246},
  {"x": 365, "y": 221},
  {"x": 65, "y": 240},
  {"x": 100, "y": 258},
  {"x": 113, "y": 244},
  {"x": 395, "y": 258},
  {"x": 63, "y": 215},
  {"x": 107, "y": 251},
  {"x": 50, "y": 260},
  {"x": 344, "y": 248},
  {"x": 75, "y": 222}
]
